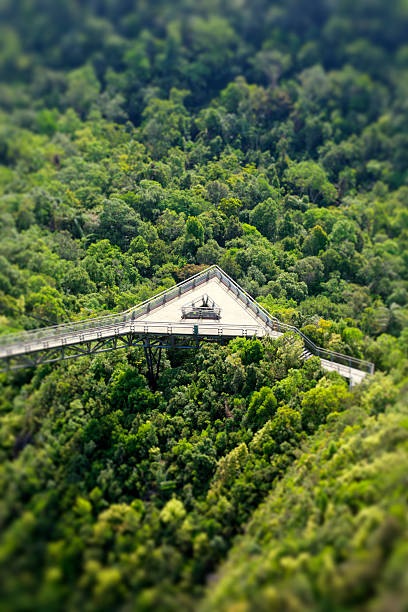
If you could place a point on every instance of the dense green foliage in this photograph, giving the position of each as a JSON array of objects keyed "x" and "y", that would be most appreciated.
[
  {"x": 140, "y": 143},
  {"x": 334, "y": 532}
]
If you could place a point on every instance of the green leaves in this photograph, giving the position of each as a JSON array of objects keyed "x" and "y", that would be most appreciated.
[
  {"x": 120, "y": 222},
  {"x": 309, "y": 178},
  {"x": 262, "y": 407},
  {"x": 319, "y": 402},
  {"x": 138, "y": 146},
  {"x": 173, "y": 513},
  {"x": 83, "y": 89}
]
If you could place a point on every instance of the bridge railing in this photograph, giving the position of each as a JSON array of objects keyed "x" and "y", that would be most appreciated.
[
  {"x": 274, "y": 323},
  {"x": 141, "y": 309},
  {"x": 139, "y": 327},
  {"x": 318, "y": 351},
  {"x": 59, "y": 330},
  {"x": 166, "y": 296}
]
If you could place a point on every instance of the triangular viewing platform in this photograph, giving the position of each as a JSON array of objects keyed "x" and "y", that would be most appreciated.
[{"x": 207, "y": 306}]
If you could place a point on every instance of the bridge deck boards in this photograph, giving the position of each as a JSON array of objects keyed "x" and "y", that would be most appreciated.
[
  {"x": 159, "y": 328},
  {"x": 162, "y": 317}
]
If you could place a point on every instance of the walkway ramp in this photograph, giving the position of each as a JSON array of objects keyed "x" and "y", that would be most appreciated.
[{"x": 209, "y": 306}]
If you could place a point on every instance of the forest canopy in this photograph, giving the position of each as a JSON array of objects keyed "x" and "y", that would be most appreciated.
[{"x": 141, "y": 142}]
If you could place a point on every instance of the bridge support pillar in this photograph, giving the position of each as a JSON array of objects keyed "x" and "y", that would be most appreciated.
[{"x": 153, "y": 358}]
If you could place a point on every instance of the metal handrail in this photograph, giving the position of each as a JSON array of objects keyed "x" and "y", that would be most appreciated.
[
  {"x": 122, "y": 316},
  {"x": 138, "y": 326},
  {"x": 326, "y": 353},
  {"x": 316, "y": 350},
  {"x": 168, "y": 295}
]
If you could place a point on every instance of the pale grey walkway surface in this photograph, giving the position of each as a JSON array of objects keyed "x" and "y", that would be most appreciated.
[{"x": 162, "y": 316}]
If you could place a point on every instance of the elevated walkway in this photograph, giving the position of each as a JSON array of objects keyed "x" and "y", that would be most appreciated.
[{"x": 169, "y": 320}]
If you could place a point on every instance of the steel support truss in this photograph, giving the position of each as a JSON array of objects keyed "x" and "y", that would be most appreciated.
[{"x": 152, "y": 345}]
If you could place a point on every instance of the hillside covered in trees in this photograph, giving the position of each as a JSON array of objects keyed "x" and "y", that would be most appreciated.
[{"x": 141, "y": 142}]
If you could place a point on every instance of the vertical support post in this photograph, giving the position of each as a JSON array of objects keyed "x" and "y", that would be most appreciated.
[
  {"x": 159, "y": 356},
  {"x": 149, "y": 361},
  {"x": 197, "y": 340},
  {"x": 153, "y": 359}
]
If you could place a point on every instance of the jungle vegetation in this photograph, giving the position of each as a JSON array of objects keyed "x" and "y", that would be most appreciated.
[{"x": 141, "y": 142}]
